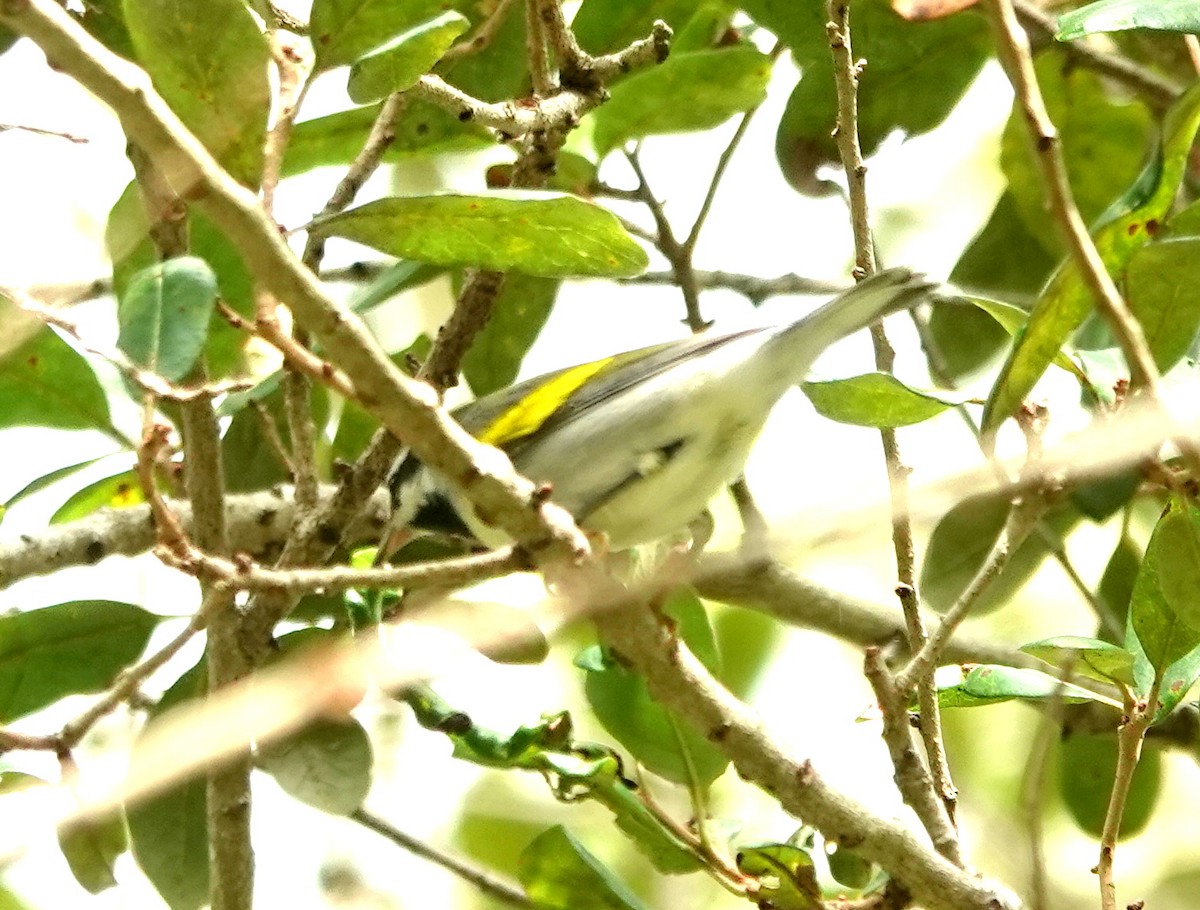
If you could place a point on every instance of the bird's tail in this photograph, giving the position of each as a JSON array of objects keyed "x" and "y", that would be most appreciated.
[{"x": 870, "y": 300}]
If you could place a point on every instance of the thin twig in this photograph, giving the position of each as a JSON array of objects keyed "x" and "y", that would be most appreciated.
[
  {"x": 39, "y": 131},
  {"x": 940, "y": 825},
  {"x": 487, "y": 882},
  {"x": 241, "y": 573},
  {"x": 1021, "y": 521},
  {"x": 1013, "y": 48},
  {"x": 677, "y": 254},
  {"x": 1157, "y": 90},
  {"x": 753, "y": 288},
  {"x": 1130, "y": 737},
  {"x": 481, "y": 38}
]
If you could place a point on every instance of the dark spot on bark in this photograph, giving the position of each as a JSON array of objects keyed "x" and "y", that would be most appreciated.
[{"x": 94, "y": 552}]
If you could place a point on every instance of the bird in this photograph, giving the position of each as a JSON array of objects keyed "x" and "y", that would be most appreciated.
[{"x": 635, "y": 445}]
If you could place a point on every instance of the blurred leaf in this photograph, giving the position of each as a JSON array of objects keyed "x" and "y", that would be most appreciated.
[
  {"x": 249, "y": 456},
  {"x": 705, "y": 28},
  {"x": 71, "y": 648},
  {"x": 990, "y": 684},
  {"x": 1167, "y": 574},
  {"x": 9, "y": 901},
  {"x": 1118, "y": 15},
  {"x": 604, "y": 26},
  {"x": 558, "y": 872},
  {"x": 1005, "y": 260},
  {"x": 785, "y": 874},
  {"x": 1101, "y": 498},
  {"x": 1086, "y": 656},
  {"x": 91, "y": 849},
  {"x": 850, "y": 868},
  {"x": 541, "y": 234},
  {"x": 1066, "y": 301},
  {"x": 46, "y": 480},
  {"x": 119, "y": 492},
  {"x": 622, "y": 703},
  {"x": 43, "y": 381},
  {"x": 1162, "y": 287},
  {"x": 327, "y": 765},
  {"x": 520, "y": 312},
  {"x": 169, "y": 832},
  {"x": 916, "y": 73},
  {"x": 1093, "y": 128},
  {"x": 877, "y": 400},
  {"x": 801, "y": 26},
  {"x": 164, "y": 315},
  {"x": 961, "y": 542},
  {"x": 393, "y": 280},
  {"x": 209, "y": 61},
  {"x": 105, "y": 21},
  {"x": 399, "y": 63},
  {"x": 716, "y": 83},
  {"x": 1177, "y": 542},
  {"x": 1087, "y": 765},
  {"x": 342, "y": 31},
  {"x": 745, "y": 640},
  {"x": 1116, "y": 584},
  {"x": 7, "y": 39},
  {"x": 336, "y": 139}
]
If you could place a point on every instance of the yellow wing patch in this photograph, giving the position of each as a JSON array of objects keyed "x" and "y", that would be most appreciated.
[{"x": 527, "y": 415}]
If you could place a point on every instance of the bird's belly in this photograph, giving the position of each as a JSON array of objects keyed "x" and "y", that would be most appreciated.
[{"x": 667, "y": 499}]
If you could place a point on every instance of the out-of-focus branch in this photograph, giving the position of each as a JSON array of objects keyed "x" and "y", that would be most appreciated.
[{"x": 677, "y": 679}]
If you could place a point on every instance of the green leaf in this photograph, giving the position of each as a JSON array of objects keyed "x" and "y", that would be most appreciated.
[
  {"x": 1005, "y": 260},
  {"x": 655, "y": 736},
  {"x": 716, "y": 83},
  {"x": 396, "y": 278},
  {"x": 43, "y": 381},
  {"x": 604, "y": 26},
  {"x": 1087, "y": 765},
  {"x": 1086, "y": 656},
  {"x": 559, "y": 873},
  {"x": 542, "y": 234},
  {"x": 398, "y": 64},
  {"x": 785, "y": 874},
  {"x": 46, "y": 480},
  {"x": 520, "y": 312},
  {"x": 1093, "y": 127},
  {"x": 9, "y": 901},
  {"x": 249, "y": 456},
  {"x": 342, "y": 31},
  {"x": 129, "y": 246},
  {"x": 169, "y": 832},
  {"x": 1066, "y": 301},
  {"x": 336, "y": 140},
  {"x": 118, "y": 492},
  {"x": 990, "y": 684},
  {"x": 327, "y": 765},
  {"x": 91, "y": 849},
  {"x": 70, "y": 648},
  {"x": 916, "y": 73},
  {"x": 877, "y": 400},
  {"x": 209, "y": 61},
  {"x": 1119, "y": 15},
  {"x": 1116, "y": 584},
  {"x": 1163, "y": 290},
  {"x": 850, "y": 868},
  {"x": 1177, "y": 542},
  {"x": 164, "y": 316},
  {"x": 705, "y": 28},
  {"x": 105, "y": 21},
  {"x": 961, "y": 542},
  {"x": 1162, "y": 589}
]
